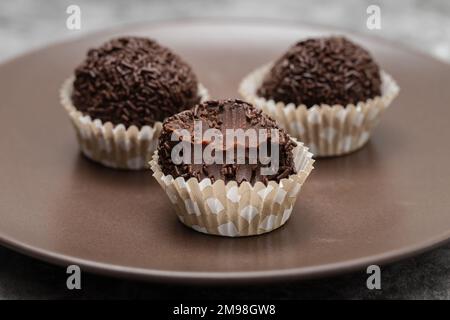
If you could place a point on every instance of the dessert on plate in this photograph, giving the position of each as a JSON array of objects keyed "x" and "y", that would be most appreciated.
[
  {"x": 327, "y": 92},
  {"x": 211, "y": 162},
  {"x": 119, "y": 96}
]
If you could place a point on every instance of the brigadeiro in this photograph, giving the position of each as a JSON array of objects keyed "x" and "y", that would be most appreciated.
[
  {"x": 121, "y": 93},
  {"x": 327, "y": 92},
  {"x": 238, "y": 195}
]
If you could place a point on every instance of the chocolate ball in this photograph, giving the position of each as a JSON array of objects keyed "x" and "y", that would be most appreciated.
[
  {"x": 133, "y": 81},
  {"x": 319, "y": 71},
  {"x": 223, "y": 115}
]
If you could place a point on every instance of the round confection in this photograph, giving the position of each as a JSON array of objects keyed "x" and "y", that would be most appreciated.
[
  {"x": 223, "y": 115},
  {"x": 133, "y": 81},
  {"x": 319, "y": 71}
]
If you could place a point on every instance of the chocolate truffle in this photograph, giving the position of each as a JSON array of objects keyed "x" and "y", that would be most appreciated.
[
  {"x": 223, "y": 115},
  {"x": 319, "y": 71},
  {"x": 133, "y": 81}
]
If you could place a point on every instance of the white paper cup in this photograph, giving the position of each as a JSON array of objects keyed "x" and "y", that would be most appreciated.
[
  {"x": 326, "y": 130},
  {"x": 234, "y": 210},
  {"x": 112, "y": 145}
]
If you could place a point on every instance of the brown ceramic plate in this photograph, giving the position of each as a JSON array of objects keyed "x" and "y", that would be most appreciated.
[{"x": 382, "y": 203}]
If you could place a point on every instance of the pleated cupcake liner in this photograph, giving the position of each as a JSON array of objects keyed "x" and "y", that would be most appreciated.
[
  {"x": 234, "y": 210},
  {"x": 326, "y": 130},
  {"x": 114, "y": 146}
]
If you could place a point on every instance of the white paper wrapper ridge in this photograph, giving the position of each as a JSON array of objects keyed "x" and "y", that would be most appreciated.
[
  {"x": 326, "y": 130},
  {"x": 114, "y": 146},
  {"x": 231, "y": 210}
]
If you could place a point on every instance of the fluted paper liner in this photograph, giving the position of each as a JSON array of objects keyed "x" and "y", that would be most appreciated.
[
  {"x": 113, "y": 145},
  {"x": 326, "y": 130},
  {"x": 234, "y": 210}
]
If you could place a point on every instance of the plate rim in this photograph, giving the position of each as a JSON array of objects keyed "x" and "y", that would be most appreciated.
[
  {"x": 234, "y": 277},
  {"x": 196, "y": 277}
]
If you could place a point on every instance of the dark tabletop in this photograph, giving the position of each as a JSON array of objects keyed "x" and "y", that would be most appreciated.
[{"x": 423, "y": 277}]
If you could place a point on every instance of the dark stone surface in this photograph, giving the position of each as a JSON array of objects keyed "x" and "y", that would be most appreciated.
[{"x": 423, "y": 277}]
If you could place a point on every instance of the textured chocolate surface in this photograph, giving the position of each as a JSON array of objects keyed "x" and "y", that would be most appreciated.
[
  {"x": 222, "y": 115},
  {"x": 133, "y": 81},
  {"x": 318, "y": 71}
]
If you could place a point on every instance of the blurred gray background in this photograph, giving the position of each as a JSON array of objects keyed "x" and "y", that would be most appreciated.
[{"x": 423, "y": 25}]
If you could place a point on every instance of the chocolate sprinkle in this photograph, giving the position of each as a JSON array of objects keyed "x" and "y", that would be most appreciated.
[
  {"x": 133, "y": 81},
  {"x": 329, "y": 71},
  {"x": 222, "y": 115}
]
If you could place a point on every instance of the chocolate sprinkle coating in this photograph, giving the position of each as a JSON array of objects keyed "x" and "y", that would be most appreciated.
[
  {"x": 133, "y": 81},
  {"x": 329, "y": 71},
  {"x": 222, "y": 115}
]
